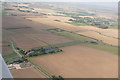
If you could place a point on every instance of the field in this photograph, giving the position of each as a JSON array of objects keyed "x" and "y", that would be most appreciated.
[
  {"x": 47, "y": 11},
  {"x": 37, "y": 34},
  {"x": 80, "y": 62},
  {"x": 6, "y": 49},
  {"x": 19, "y": 13},
  {"x": 56, "y": 41},
  {"x": 29, "y": 35},
  {"x": 59, "y": 18},
  {"x": 19, "y": 33},
  {"x": 106, "y": 35},
  {"x": 26, "y": 73},
  {"x": 106, "y": 39},
  {"x": 26, "y": 42}
]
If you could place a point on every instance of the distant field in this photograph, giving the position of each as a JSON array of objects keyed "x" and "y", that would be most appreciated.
[
  {"x": 36, "y": 35},
  {"x": 77, "y": 24},
  {"x": 26, "y": 42},
  {"x": 82, "y": 51},
  {"x": 84, "y": 40},
  {"x": 27, "y": 35},
  {"x": 80, "y": 62},
  {"x": 47, "y": 11},
  {"x": 26, "y": 73},
  {"x": 106, "y": 32},
  {"x": 60, "y": 18},
  {"x": 108, "y": 35},
  {"x": 19, "y": 13},
  {"x": 50, "y": 38},
  {"x": 109, "y": 40}
]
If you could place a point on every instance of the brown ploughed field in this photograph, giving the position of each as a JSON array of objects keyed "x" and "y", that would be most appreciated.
[
  {"x": 108, "y": 36},
  {"x": 50, "y": 38},
  {"x": 26, "y": 73},
  {"x": 6, "y": 50},
  {"x": 80, "y": 62},
  {"x": 28, "y": 34},
  {"x": 26, "y": 42}
]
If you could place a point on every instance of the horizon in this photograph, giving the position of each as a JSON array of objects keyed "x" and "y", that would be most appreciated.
[{"x": 59, "y": 1}]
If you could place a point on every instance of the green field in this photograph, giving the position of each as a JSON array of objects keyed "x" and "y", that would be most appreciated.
[
  {"x": 71, "y": 35},
  {"x": 84, "y": 41},
  {"x": 77, "y": 14},
  {"x": 10, "y": 57},
  {"x": 107, "y": 48},
  {"x": 77, "y": 24}
]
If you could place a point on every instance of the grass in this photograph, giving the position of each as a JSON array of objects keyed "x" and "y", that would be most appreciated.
[
  {"x": 76, "y": 39},
  {"x": 77, "y": 24},
  {"x": 10, "y": 57},
  {"x": 77, "y": 14},
  {"x": 83, "y": 24},
  {"x": 85, "y": 41},
  {"x": 114, "y": 27},
  {"x": 67, "y": 44},
  {"x": 59, "y": 46},
  {"x": 72, "y": 36},
  {"x": 106, "y": 48},
  {"x": 45, "y": 54},
  {"x": 5, "y": 13}
]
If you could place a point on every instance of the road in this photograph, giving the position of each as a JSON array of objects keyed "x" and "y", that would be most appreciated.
[
  {"x": 13, "y": 47},
  {"x": 40, "y": 70}
]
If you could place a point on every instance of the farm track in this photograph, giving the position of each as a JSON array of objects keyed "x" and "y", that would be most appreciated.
[{"x": 13, "y": 47}]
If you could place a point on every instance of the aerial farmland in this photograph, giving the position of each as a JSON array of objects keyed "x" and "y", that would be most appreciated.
[{"x": 53, "y": 40}]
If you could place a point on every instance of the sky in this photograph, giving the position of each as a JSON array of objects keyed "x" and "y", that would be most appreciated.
[
  {"x": 64, "y": 0},
  {"x": 85, "y": 0}
]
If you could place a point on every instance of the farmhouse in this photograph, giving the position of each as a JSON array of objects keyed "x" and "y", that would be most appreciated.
[
  {"x": 19, "y": 66},
  {"x": 14, "y": 66},
  {"x": 27, "y": 53},
  {"x": 51, "y": 50}
]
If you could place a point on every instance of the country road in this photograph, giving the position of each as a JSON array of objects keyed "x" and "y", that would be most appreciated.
[
  {"x": 42, "y": 71},
  {"x": 13, "y": 47}
]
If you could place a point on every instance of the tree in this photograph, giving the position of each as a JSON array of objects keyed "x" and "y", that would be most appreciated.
[
  {"x": 61, "y": 78},
  {"x": 57, "y": 78},
  {"x": 54, "y": 78}
]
